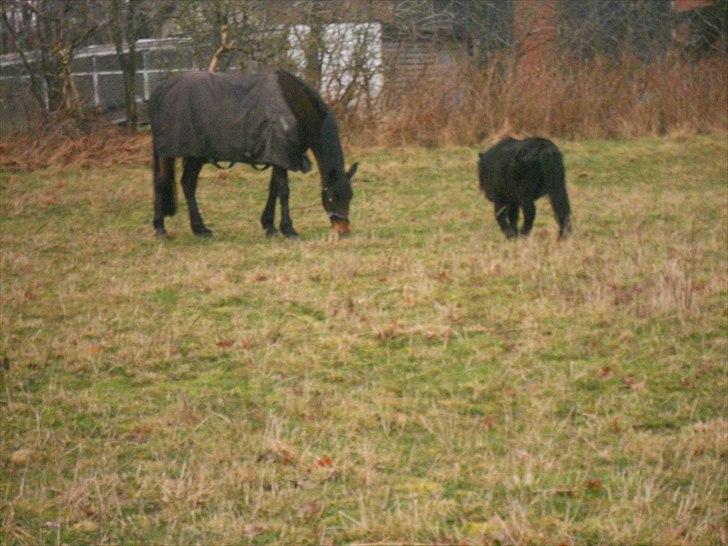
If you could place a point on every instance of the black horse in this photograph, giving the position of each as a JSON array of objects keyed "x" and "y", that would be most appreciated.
[
  {"x": 266, "y": 119},
  {"x": 514, "y": 173}
]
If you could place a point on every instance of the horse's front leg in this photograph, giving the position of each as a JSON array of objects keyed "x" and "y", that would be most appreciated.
[
  {"x": 529, "y": 214},
  {"x": 501, "y": 216},
  {"x": 192, "y": 167},
  {"x": 267, "y": 219},
  {"x": 513, "y": 215},
  {"x": 286, "y": 225}
]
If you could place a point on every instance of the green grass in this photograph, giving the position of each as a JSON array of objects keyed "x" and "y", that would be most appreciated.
[{"x": 424, "y": 381}]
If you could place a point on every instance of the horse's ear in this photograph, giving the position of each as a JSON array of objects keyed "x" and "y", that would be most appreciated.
[{"x": 352, "y": 170}]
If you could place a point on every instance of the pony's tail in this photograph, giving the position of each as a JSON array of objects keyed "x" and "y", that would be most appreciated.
[
  {"x": 552, "y": 164},
  {"x": 164, "y": 188}
]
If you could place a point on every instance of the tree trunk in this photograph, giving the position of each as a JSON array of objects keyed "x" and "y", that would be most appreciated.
[
  {"x": 226, "y": 46},
  {"x": 124, "y": 29}
]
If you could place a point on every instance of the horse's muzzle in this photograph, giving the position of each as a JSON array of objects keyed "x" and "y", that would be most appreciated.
[{"x": 341, "y": 227}]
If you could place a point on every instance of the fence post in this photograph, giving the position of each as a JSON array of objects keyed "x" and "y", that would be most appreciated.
[
  {"x": 145, "y": 56},
  {"x": 95, "y": 79}
]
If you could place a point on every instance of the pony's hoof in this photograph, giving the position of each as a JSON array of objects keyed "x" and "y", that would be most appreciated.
[
  {"x": 293, "y": 236},
  {"x": 289, "y": 232},
  {"x": 206, "y": 233},
  {"x": 271, "y": 233},
  {"x": 162, "y": 235}
]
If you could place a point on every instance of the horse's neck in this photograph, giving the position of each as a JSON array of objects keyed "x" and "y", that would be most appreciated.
[
  {"x": 317, "y": 125},
  {"x": 327, "y": 148}
]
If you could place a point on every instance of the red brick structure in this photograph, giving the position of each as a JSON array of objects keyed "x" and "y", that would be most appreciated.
[{"x": 687, "y": 5}]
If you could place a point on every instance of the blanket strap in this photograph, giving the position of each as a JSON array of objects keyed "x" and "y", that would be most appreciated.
[
  {"x": 256, "y": 166},
  {"x": 220, "y": 166}
]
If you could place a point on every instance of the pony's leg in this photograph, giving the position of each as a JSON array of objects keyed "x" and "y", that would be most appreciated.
[
  {"x": 513, "y": 215},
  {"x": 501, "y": 216},
  {"x": 165, "y": 202},
  {"x": 529, "y": 214},
  {"x": 286, "y": 225},
  {"x": 193, "y": 165},
  {"x": 267, "y": 219}
]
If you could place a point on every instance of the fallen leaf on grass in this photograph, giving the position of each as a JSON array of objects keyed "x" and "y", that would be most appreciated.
[
  {"x": 633, "y": 384},
  {"x": 250, "y": 531},
  {"x": 247, "y": 344},
  {"x": 558, "y": 491},
  {"x": 594, "y": 485},
  {"x": 85, "y": 526},
  {"x": 564, "y": 492},
  {"x": 281, "y": 454},
  {"x": 605, "y": 372},
  {"x": 481, "y": 528},
  {"x": 310, "y": 510},
  {"x": 488, "y": 422},
  {"x": 141, "y": 432},
  {"x": 21, "y": 457},
  {"x": 420, "y": 486},
  {"x": 324, "y": 461},
  {"x": 616, "y": 425},
  {"x": 399, "y": 419}
]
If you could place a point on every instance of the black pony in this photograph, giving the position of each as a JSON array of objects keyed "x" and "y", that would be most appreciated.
[
  {"x": 266, "y": 119},
  {"x": 514, "y": 173}
]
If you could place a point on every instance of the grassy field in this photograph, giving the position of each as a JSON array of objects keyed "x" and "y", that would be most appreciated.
[{"x": 425, "y": 381}]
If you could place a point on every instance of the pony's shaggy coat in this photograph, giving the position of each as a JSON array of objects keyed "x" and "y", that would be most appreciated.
[{"x": 514, "y": 173}]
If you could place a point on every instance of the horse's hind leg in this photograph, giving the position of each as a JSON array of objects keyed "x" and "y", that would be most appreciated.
[
  {"x": 165, "y": 201},
  {"x": 193, "y": 165},
  {"x": 286, "y": 225},
  {"x": 529, "y": 214},
  {"x": 267, "y": 219},
  {"x": 501, "y": 216}
]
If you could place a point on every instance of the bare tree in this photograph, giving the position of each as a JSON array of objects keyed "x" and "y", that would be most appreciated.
[
  {"x": 124, "y": 32},
  {"x": 226, "y": 33},
  {"x": 226, "y": 46},
  {"x": 46, "y": 35}
]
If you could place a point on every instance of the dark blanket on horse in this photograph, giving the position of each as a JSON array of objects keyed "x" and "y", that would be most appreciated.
[{"x": 226, "y": 117}]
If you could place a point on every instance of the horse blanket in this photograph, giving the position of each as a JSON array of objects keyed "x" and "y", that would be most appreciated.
[{"x": 226, "y": 117}]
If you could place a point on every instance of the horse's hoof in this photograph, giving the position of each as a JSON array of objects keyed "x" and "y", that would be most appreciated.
[
  {"x": 292, "y": 236},
  {"x": 271, "y": 233},
  {"x": 206, "y": 233},
  {"x": 162, "y": 235}
]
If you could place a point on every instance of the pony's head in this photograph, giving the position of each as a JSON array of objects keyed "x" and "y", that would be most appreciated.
[{"x": 336, "y": 196}]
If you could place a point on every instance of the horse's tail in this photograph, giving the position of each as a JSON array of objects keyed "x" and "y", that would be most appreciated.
[
  {"x": 164, "y": 188},
  {"x": 552, "y": 165}
]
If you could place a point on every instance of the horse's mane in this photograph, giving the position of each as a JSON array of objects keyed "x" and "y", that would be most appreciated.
[
  {"x": 329, "y": 143},
  {"x": 318, "y": 103}
]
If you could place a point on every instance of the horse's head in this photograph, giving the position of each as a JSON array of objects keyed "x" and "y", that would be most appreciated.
[{"x": 336, "y": 196}]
